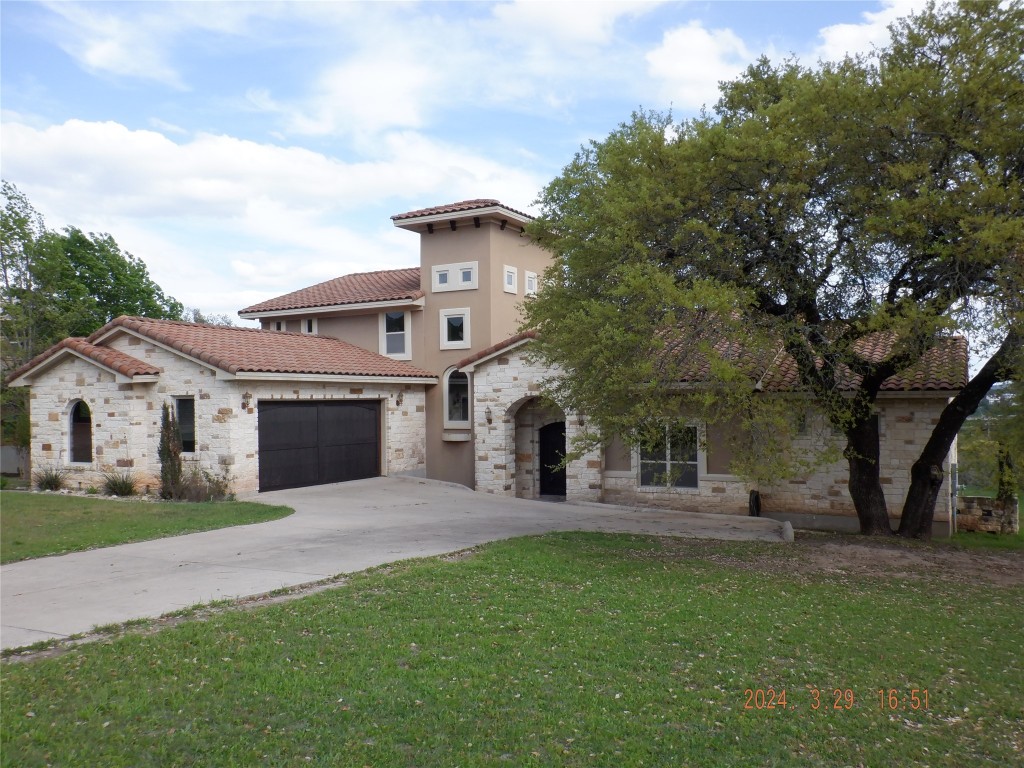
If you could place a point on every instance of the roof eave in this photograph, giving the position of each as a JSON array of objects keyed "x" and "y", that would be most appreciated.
[
  {"x": 348, "y": 307},
  {"x": 497, "y": 212},
  {"x": 343, "y": 378}
]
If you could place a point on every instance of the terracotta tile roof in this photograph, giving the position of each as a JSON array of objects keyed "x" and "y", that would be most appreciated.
[
  {"x": 251, "y": 350},
  {"x": 495, "y": 348},
  {"x": 386, "y": 285},
  {"x": 462, "y": 207},
  {"x": 943, "y": 368},
  {"x": 124, "y": 364}
]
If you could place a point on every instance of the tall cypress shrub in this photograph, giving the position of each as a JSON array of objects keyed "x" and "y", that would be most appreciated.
[{"x": 171, "y": 468}]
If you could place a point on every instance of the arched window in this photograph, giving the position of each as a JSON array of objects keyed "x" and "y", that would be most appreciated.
[
  {"x": 81, "y": 433},
  {"x": 456, "y": 399}
]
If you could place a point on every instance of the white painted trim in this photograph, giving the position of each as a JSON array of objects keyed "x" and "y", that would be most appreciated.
[
  {"x": 383, "y": 337},
  {"x": 304, "y": 324},
  {"x": 514, "y": 273},
  {"x": 495, "y": 210},
  {"x": 702, "y": 465},
  {"x": 443, "y": 315},
  {"x": 527, "y": 275},
  {"x": 453, "y": 424},
  {"x": 455, "y": 281},
  {"x": 353, "y": 307}
]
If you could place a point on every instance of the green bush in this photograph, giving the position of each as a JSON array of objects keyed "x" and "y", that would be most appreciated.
[
  {"x": 119, "y": 483},
  {"x": 50, "y": 478},
  {"x": 198, "y": 484}
]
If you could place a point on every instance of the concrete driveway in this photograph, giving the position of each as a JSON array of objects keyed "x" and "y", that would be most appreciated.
[{"x": 336, "y": 529}]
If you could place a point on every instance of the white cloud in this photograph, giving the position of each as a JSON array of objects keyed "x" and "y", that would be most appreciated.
[
  {"x": 692, "y": 60},
  {"x": 567, "y": 22},
  {"x": 218, "y": 218},
  {"x": 840, "y": 40}
]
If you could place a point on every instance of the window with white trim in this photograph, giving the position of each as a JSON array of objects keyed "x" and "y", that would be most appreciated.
[
  {"x": 454, "y": 277},
  {"x": 395, "y": 330},
  {"x": 185, "y": 408},
  {"x": 530, "y": 288},
  {"x": 456, "y": 399},
  {"x": 455, "y": 328},
  {"x": 308, "y": 325},
  {"x": 671, "y": 460},
  {"x": 278, "y": 325},
  {"x": 510, "y": 283}
]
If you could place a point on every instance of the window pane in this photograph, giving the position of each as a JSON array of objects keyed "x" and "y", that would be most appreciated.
[
  {"x": 467, "y": 275},
  {"x": 394, "y": 322},
  {"x": 187, "y": 424},
  {"x": 652, "y": 473},
  {"x": 395, "y": 343},
  {"x": 684, "y": 475},
  {"x": 509, "y": 279},
  {"x": 683, "y": 443},
  {"x": 442, "y": 278},
  {"x": 655, "y": 450},
  {"x": 456, "y": 330},
  {"x": 458, "y": 397},
  {"x": 81, "y": 433}
]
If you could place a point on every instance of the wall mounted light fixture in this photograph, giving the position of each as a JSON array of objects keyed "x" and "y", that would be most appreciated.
[
  {"x": 246, "y": 401},
  {"x": 488, "y": 415}
]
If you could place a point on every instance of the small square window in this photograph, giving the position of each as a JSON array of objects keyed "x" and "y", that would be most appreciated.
[
  {"x": 309, "y": 325},
  {"x": 511, "y": 282},
  {"x": 455, "y": 328},
  {"x": 442, "y": 277},
  {"x": 467, "y": 276},
  {"x": 454, "y": 277},
  {"x": 531, "y": 283}
]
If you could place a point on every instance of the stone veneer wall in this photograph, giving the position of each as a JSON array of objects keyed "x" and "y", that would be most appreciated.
[
  {"x": 979, "y": 513},
  {"x": 126, "y": 418},
  {"x": 505, "y": 462},
  {"x": 506, "y": 385},
  {"x": 905, "y": 425}
]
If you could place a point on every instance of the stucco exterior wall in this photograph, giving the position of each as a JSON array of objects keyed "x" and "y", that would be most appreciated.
[{"x": 126, "y": 418}]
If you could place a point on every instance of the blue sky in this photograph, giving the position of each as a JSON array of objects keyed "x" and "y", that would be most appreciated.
[{"x": 244, "y": 150}]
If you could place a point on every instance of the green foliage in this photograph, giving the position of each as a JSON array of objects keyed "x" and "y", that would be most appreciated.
[
  {"x": 991, "y": 444},
  {"x": 37, "y": 525},
  {"x": 50, "y": 478},
  {"x": 172, "y": 470},
  {"x": 565, "y": 650},
  {"x": 812, "y": 210},
  {"x": 56, "y": 285},
  {"x": 198, "y": 484},
  {"x": 120, "y": 483}
]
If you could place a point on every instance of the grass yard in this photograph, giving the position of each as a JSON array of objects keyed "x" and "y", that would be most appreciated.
[
  {"x": 565, "y": 650},
  {"x": 38, "y": 524}
]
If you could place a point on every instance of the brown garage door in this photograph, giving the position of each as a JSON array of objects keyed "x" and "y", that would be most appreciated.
[{"x": 312, "y": 443}]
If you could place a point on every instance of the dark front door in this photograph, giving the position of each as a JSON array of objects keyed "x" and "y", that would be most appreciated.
[
  {"x": 312, "y": 443},
  {"x": 552, "y": 450}
]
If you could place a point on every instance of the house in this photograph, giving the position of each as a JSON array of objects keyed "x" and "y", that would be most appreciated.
[{"x": 418, "y": 371}]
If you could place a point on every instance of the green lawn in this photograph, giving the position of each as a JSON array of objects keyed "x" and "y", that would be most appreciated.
[
  {"x": 38, "y": 524},
  {"x": 562, "y": 650}
]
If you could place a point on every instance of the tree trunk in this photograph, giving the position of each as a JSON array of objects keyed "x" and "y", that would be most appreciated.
[
  {"x": 919, "y": 506},
  {"x": 865, "y": 484}
]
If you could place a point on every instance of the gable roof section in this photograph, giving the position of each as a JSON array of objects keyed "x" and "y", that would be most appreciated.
[
  {"x": 943, "y": 368},
  {"x": 466, "y": 206},
  {"x": 246, "y": 352},
  {"x": 484, "y": 355},
  {"x": 360, "y": 288},
  {"x": 124, "y": 367}
]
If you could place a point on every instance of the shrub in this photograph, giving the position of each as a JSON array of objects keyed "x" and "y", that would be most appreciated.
[
  {"x": 198, "y": 484},
  {"x": 171, "y": 468},
  {"x": 3, "y": 483},
  {"x": 92, "y": 490},
  {"x": 50, "y": 478},
  {"x": 119, "y": 483}
]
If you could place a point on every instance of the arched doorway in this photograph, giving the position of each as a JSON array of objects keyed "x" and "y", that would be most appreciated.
[
  {"x": 551, "y": 450},
  {"x": 539, "y": 445},
  {"x": 81, "y": 433}
]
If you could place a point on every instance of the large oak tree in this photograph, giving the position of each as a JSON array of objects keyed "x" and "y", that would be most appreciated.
[{"x": 814, "y": 213}]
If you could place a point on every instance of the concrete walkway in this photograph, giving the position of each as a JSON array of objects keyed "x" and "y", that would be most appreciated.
[{"x": 335, "y": 529}]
